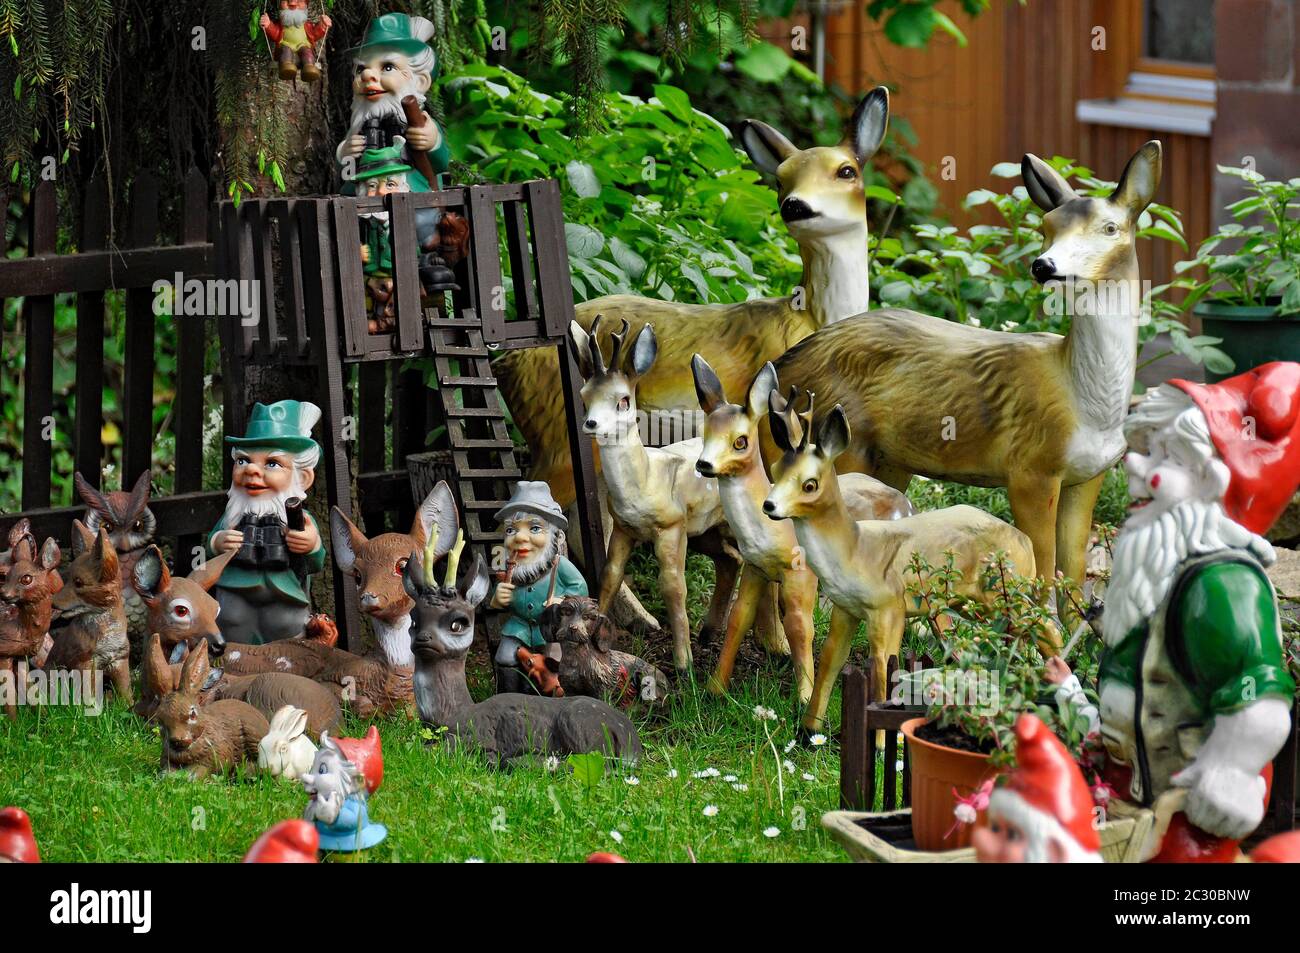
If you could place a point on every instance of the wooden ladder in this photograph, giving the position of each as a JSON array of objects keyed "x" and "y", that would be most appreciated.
[{"x": 481, "y": 448}]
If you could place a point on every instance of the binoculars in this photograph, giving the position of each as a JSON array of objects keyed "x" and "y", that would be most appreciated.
[{"x": 264, "y": 545}]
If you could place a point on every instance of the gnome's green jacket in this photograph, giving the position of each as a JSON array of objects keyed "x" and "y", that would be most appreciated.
[
  {"x": 377, "y": 237},
  {"x": 284, "y": 581},
  {"x": 528, "y": 602}
]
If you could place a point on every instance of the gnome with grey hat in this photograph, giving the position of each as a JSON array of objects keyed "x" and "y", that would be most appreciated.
[{"x": 537, "y": 574}]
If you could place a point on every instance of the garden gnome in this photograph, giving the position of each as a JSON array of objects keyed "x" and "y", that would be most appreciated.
[
  {"x": 345, "y": 773},
  {"x": 288, "y": 842},
  {"x": 295, "y": 38},
  {"x": 263, "y": 590},
  {"x": 1193, "y": 687},
  {"x": 17, "y": 843},
  {"x": 1044, "y": 813},
  {"x": 394, "y": 63},
  {"x": 537, "y": 575}
]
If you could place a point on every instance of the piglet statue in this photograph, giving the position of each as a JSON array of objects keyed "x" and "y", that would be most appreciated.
[{"x": 343, "y": 776}]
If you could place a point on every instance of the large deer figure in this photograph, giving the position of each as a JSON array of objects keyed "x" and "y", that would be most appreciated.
[
  {"x": 863, "y": 564},
  {"x": 1040, "y": 414},
  {"x": 654, "y": 494},
  {"x": 824, "y": 207},
  {"x": 769, "y": 547}
]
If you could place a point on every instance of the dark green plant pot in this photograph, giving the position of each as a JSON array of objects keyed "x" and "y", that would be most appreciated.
[{"x": 1251, "y": 335}]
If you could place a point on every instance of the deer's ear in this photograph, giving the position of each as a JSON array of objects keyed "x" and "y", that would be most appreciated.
[
  {"x": 413, "y": 575},
  {"x": 1044, "y": 184},
  {"x": 82, "y": 538},
  {"x": 644, "y": 351},
  {"x": 346, "y": 538},
  {"x": 155, "y": 670},
  {"x": 765, "y": 384},
  {"x": 438, "y": 509},
  {"x": 866, "y": 128},
  {"x": 207, "y": 574},
  {"x": 708, "y": 389},
  {"x": 781, "y": 435},
  {"x": 50, "y": 554},
  {"x": 580, "y": 346},
  {"x": 1140, "y": 179},
  {"x": 149, "y": 576},
  {"x": 476, "y": 582},
  {"x": 767, "y": 148},
  {"x": 833, "y": 435},
  {"x": 195, "y": 670}
]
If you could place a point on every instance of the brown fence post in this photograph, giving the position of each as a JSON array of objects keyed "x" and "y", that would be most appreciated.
[
  {"x": 857, "y": 774},
  {"x": 138, "y": 352},
  {"x": 88, "y": 444},
  {"x": 38, "y": 382}
]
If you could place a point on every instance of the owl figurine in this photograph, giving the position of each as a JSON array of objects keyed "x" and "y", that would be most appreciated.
[{"x": 130, "y": 525}]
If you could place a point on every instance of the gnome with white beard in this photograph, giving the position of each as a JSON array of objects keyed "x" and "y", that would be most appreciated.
[{"x": 1193, "y": 686}]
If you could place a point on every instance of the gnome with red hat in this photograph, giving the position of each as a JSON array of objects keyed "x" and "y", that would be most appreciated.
[
  {"x": 1193, "y": 686},
  {"x": 288, "y": 842},
  {"x": 17, "y": 843},
  {"x": 345, "y": 772},
  {"x": 1044, "y": 813}
]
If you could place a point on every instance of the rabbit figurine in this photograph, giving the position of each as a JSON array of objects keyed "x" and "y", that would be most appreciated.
[
  {"x": 287, "y": 751},
  {"x": 202, "y": 739}
]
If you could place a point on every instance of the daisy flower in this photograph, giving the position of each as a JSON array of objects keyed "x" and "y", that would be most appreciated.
[
  {"x": 772, "y": 832},
  {"x": 618, "y": 838},
  {"x": 632, "y": 780},
  {"x": 807, "y": 776},
  {"x": 817, "y": 740},
  {"x": 710, "y": 810}
]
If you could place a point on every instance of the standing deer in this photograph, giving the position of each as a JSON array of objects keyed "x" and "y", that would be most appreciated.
[
  {"x": 824, "y": 207},
  {"x": 1040, "y": 414},
  {"x": 771, "y": 551},
  {"x": 655, "y": 494},
  {"x": 862, "y": 563},
  {"x": 30, "y": 583}
]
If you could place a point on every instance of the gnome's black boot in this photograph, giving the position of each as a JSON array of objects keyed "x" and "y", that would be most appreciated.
[
  {"x": 435, "y": 275},
  {"x": 509, "y": 680}
]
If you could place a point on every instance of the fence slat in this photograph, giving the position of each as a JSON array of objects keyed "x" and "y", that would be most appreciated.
[
  {"x": 191, "y": 347},
  {"x": 38, "y": 383},
  {"x": 522, "y": 276},
  {"x": 88, "y": 452},
  {"x": 406, "y": 278},
  {"x": 352, "y": 283},
  {"x": 857, "y": 773},
  {"x": 138, "y": 352},
  {"x": 291, "y": 282},
  {"x": 485, "y": 273}
]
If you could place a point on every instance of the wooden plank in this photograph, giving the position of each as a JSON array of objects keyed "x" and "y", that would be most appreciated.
[
  {"x": 38, "y": 374},
  {"x": 176, "y": 515},
  {"x": 351, "y": 280},
  {"x": 138, "y": 350},
  {"x": 260, "y": 225},
  {"x": 485, "y": 270},
  {"x": 522, "y": 275},
  {"x": 117, "y": 269},
  {"x": 406, "y": 277},
  {"x": 230, "y": 335},
  {"x": 191, "y": 347},
  {"x": 371, "y": 415},
  {"x": 88, "y": 452},
  {"x": 857, "y": 774},
  {"x": 291, "y": 277},
  {"x": 555, "y": 291}
]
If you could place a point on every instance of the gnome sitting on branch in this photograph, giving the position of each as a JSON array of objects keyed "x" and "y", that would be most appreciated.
[
  {"x": 1044, "y": 814},
  {"x": 263, "y": 590},
  {"x": 1194, "y": 691},
  {"x": 537, "y": 574}
]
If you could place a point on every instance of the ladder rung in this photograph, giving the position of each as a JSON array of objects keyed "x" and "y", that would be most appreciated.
[
  {"x": 491, "y": 505},
  {"x": 460, "y": 381},
  {"x": 482, "y": 443},
  {"x": 441, "y": 350},
  {"x": 452, "y": 323},
  {"x": 488, "y": 473},
  {"x": 476, "y": 412}
]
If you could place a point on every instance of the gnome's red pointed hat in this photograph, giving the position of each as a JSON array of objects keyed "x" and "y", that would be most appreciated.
[
  {"x": 17, "y": 843},
  {"x": 289, "y": 842},
  {"x": 1254, "y": 421},
  {"x": 368, "y": 755},
  {"x": 1047, "y": 784}
]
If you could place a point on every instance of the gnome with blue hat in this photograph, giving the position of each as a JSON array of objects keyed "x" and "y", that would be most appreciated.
[
  {"x": 263, "y": 589},
  {"x": 537, "y": 574}
]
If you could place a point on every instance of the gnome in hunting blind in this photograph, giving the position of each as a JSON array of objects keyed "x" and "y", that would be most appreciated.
[
  {"x": 537, "y": 574},
  {"x": 1194, "y": 692},
  {"x": 263, "y": 590},
  {"x": 295, "y": 38}
]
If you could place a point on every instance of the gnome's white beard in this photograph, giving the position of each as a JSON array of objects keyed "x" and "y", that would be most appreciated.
[
  {"x": 239, "y": 504},
  {"x": 1041, "y": 831},
  {"x": 1146, "y": 558},
  {"x": 531, "y": 569},
  {"x": 293, "y": 17},
  {"x": 387, "y": 105}
]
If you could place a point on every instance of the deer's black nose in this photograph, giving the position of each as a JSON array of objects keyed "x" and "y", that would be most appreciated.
[
  {"x": 704, "y": 467},
  {"x": 216, "y": 645},
  {"x": 796, "y": 210},
  {"x": 769, "y": 507},
  {"x": 589, "y": 424},
  {"x": 1043, "y": 269}
]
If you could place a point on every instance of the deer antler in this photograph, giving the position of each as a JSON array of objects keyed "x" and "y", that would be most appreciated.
[
  {"x": 806, "y": 419},
  {"x": 617, "y": 350},
  {"x": 593, "y": 346},
  {"x": 430, "y": 554},
  {"x": 453, "y": 559}
]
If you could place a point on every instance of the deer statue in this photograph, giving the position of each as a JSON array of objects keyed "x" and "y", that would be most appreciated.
[
  {"x": 376, "y": 565},
  {"x": 655, "y": 495},
  {"x": 130, "y": 524},
  {"x": 507, "y": 728},
  {"x": 769, "y": 547},
  {"x": 861, "y": 564},
  {"x": 1040, "y": 414},
  {"x": 91, "y": 603},
  {"x": 26, "y": 598}
]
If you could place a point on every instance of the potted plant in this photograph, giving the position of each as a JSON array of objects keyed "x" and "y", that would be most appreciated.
[
  {"x": 1248, "y": 293},
  {"x": 991, "y": 671}
]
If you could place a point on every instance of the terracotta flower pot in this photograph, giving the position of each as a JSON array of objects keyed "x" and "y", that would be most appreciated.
[{"x": 936, "y": 770}]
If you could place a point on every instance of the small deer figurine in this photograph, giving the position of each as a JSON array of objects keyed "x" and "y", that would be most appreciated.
[
  {"x": 506, "y": 728},
  {"x": 862, "y": 563},
  {"x": 130, "y": 525},
  {"x": 95, "y": 637},
  {"x": 376, "y": 565},
  {"x": 27, "y": 595},
  {"x": 770, "y": 549},
  {"x": 655, "y": 494}
]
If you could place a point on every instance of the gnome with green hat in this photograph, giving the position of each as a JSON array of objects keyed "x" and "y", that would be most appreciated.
[
  {"x": 394, "y": 62},
  {"x": 263, "y": 589}
]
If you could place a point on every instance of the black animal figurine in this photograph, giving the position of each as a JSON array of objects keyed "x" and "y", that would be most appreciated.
[{"x": 589, "y": 663}]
